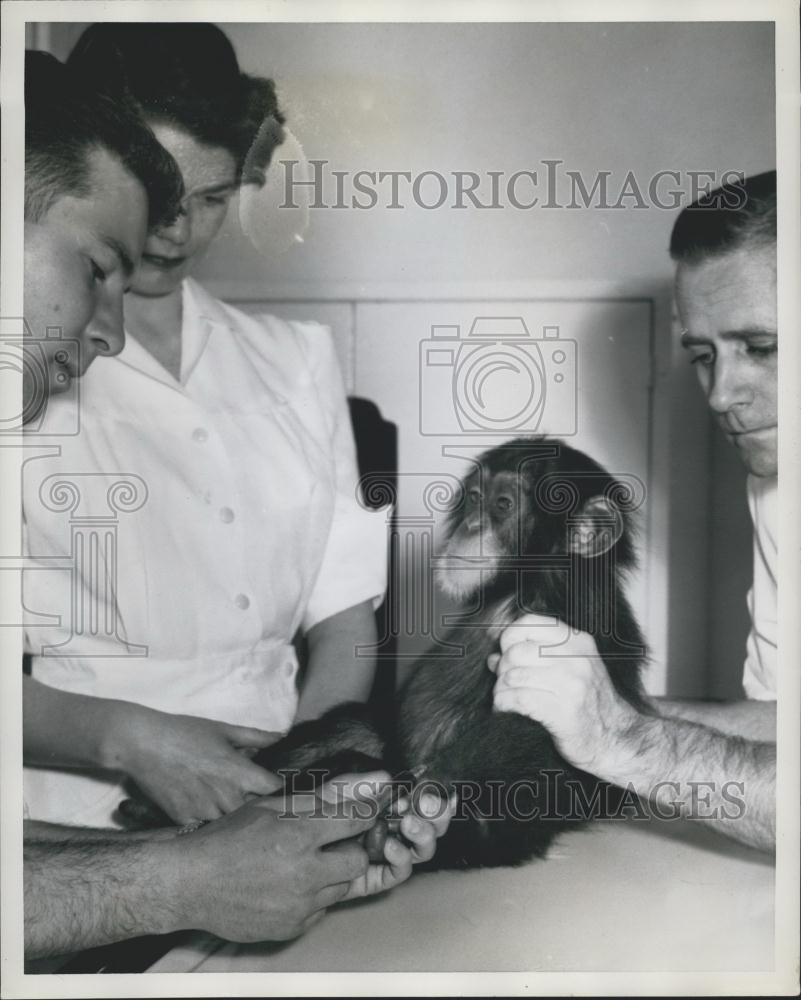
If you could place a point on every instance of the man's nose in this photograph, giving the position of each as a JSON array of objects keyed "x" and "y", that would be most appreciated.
[
  {"x": 105, "y": 335},
  {"x": 728, "y": 388},
  {"x": 180, "y": 229}
]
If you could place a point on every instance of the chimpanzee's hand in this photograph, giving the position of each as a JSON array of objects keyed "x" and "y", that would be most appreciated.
[
  {"x": 566, "y": 688},
  {"x": 425, "y": 819},
  {"x": 192, "y": 768}
]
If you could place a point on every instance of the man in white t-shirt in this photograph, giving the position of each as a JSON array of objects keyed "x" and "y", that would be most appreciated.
[
  {"x": 706, "y": 760},
  {"x": 759, "y": 678}
]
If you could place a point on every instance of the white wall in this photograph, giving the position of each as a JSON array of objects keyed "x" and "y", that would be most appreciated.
[
  {"x": 501, "y": 97},
  {"x": 617, "y": 97},
  {"x": 641, "y": 97}
]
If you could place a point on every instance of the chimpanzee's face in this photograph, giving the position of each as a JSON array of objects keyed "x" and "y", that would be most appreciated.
[
  {"x": 493, "y": 505},
  {"x": 493, "y": 520}
]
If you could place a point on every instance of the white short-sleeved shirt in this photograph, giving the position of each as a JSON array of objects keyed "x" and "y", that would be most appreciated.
[
  {"x": 239, "y": 525},
  {"x": 759, "y": 676}
]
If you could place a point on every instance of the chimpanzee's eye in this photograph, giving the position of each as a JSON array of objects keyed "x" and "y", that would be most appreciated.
[
  {"x": 474, "y": 497},
  {"x": 504, "y": 503}
]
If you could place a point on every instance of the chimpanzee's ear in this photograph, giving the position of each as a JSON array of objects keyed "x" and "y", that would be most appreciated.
[{"x": 595, "y": 528}]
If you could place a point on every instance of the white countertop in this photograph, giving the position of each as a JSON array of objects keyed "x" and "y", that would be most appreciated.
[{"x": 618, "y": 896}]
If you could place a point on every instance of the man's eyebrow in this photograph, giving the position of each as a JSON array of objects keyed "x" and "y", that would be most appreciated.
[
  {"x": 747, "y": 332},
  {"x": 690, "y": 340},
  {"x": 125, "y": 259},
  {"x": 213, "y": 188}
]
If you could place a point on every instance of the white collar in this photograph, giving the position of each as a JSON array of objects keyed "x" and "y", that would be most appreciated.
[{"x": 202, "y": 314}]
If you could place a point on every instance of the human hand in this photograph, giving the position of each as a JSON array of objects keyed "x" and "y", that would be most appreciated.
[
  {"x": 266, "y": 871},
  {"x": 424, "y": 819},
  {"x": 567, "y": 689},
  {"x": 192, "y": 768}
]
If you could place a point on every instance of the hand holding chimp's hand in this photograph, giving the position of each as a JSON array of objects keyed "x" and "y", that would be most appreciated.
[
  {"x": 425, "y": 819},
  {"x": 192, "y": 768},
  {"x": 267, "y": 871},
  {"x": 566, "y": 688}
]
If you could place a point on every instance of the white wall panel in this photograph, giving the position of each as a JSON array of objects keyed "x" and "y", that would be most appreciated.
[{"x": 613, "y": 375}]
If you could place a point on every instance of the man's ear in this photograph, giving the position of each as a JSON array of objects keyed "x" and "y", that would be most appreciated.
[{"x": 595, "y": 528}]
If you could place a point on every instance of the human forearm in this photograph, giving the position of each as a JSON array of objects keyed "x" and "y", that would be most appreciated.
[
  {"x": 190, "y": 767},
  {"x": 72, "y": 730},
  {"x": 336, "y": 672},
  {"x": 80, "y": 895},
  {"x": 257, "y": 874},
  {"x": 755, "y": 720},
  {"x": 692, "y": 771},
  {"x": 684, "y": 768},
  {"x": 40, "y": 832},
  {"x": 261, "y": 873}
]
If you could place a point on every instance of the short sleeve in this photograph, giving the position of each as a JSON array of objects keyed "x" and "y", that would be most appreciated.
[
  {"x": 759, "y": 675},
  {"x": 354, "y": 563}
]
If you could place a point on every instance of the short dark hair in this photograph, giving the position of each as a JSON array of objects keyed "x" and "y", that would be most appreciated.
[
  {"x": 733, "y": 217},
  {"x": 65, "y": 121},
  {"x": 185, "y": 75}
]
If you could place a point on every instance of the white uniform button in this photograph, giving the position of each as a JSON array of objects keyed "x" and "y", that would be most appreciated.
[
  {"x": 242, "y": 601},
  {"x": 226, "y": 515},
  {"x": 200, "y": 434}
]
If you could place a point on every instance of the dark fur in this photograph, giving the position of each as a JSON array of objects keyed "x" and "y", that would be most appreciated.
[{"x": 445, "y": 717}]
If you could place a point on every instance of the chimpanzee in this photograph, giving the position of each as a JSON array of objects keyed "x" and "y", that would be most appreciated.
[{"x": 537, "y": 527}]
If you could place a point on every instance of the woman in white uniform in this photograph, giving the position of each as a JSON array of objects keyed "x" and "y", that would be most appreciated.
[{"x": 237, "y": 523}]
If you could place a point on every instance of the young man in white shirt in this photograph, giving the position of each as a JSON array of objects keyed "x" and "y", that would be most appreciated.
[
  {"x": 725, "y": 250},
  {"x": 95, "y": 179}
]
